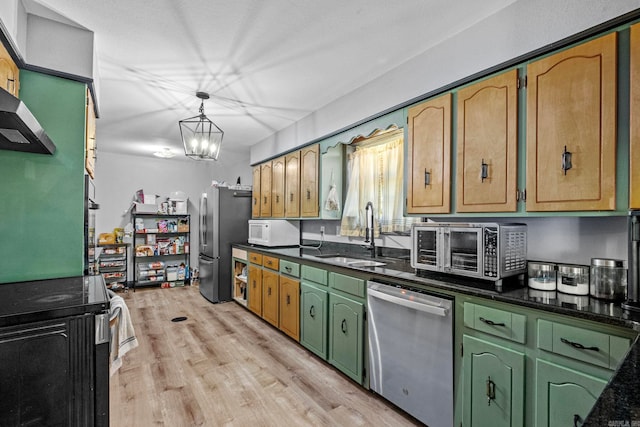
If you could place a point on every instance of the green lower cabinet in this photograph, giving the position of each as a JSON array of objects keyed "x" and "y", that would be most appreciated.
[
  {"x": 564, "y": 396},
  {"x": 346, "y": 338},
  {"x": 313, "y": 319},
  {"x": 493, "y": 381}
]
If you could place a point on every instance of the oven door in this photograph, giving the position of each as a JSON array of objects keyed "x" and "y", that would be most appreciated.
[
  {"x": 426, "y": 246},
  {"x": 463, "y": 251}
]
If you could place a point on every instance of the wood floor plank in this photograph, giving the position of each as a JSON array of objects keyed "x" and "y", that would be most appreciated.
[{"x": 224, "y": 366}]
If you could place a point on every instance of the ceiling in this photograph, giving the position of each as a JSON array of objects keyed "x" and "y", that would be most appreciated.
[{"x": 265, "y": 64}]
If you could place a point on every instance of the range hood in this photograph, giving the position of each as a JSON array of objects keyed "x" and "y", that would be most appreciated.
[{"x": 19, "y": 129}]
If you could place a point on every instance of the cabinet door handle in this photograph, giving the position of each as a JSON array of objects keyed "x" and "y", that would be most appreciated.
[
  {"x": 566, "y": 160},
  {"x": 269, "y": 291},
  {"x": 578, "y": 345},
  {"x": 576, "y": 419},
  {"x": 288, "y": 299},
  {"x": 265, "y": 200},
  {"x": 491, "y": 322},
  {"x": 343, "y": 326},
  {"x": 277, "y": 198},
  {"x": 427, "y": 177},
  {"x": 484, "y": 171},
  {"x": 312, "y": 311},
  {"x": 255, "y": 201},
  {"x": 254, "y": 284},
  {"x": 491, "y": 391},
  {"x": 291, "y": 197},
  {"x": 308, "y": 195}
]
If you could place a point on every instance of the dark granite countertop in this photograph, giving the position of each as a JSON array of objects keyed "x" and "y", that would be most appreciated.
[{"x": 619, "y": 402}]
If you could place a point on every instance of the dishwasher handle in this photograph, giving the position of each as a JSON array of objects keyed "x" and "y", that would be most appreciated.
[{"x": 420, "y": 306}]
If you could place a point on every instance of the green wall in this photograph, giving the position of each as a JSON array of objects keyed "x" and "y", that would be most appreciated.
[{"x": 41, "y": 196}]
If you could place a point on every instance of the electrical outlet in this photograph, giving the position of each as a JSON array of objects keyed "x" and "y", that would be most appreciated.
[{"x": 322, "y": 229}]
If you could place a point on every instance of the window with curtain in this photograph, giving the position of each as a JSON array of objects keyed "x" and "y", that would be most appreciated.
[{"x": 375, "y": 171}]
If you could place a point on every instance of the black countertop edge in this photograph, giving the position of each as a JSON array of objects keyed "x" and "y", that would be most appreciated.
[
  {"x": 619, "y": 402},
  {"x": 396, "y": 271}
]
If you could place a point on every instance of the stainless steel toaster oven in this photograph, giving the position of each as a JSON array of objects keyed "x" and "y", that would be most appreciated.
[{"x": 488, "y": 251}]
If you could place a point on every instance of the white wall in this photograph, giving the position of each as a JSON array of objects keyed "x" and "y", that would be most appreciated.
[
  {"x": 118, "y": 177},
  {"x": 570, "y": 240}
]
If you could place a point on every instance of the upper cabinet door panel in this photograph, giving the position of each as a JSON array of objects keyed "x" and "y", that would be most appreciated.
[
  {"x": 277, "y": 188},
  {"x": 429, "y": 156},
  {"x": 255, "y": 201},
  {"x": 634, "y": 154},
  {"x": 310, "y": 157},
  {"x": 265, "y": 189},
  {"x": 571, "y": 129},
  {"x": 292, "y": 185},
  {"x": 487, "y": 146}
]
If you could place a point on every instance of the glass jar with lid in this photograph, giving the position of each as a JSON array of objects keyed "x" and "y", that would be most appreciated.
[
  {"x": 608, "y": 279},
  {"x": 542, "y": 275},
  {"x": 573, "y": 279}
]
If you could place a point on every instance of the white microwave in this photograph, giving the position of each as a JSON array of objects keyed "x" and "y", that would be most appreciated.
[{"x": 274, "y": 232}]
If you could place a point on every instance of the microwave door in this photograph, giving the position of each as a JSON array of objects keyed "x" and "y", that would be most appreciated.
[{"x": 464, "y": 251}]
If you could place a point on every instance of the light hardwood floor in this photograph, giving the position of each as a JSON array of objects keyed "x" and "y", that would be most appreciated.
[{"x": 224, "y": 366}]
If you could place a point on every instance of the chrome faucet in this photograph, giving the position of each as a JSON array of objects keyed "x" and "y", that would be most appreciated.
[{"x": 369, "y": 229}]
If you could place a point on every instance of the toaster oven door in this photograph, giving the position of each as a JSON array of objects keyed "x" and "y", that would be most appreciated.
[
  {"x": 427, "y": 242},
  {"x": 463, "y": 251}
]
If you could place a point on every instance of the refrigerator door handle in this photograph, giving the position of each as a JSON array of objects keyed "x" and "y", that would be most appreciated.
[{"x": 203, "y": 222}]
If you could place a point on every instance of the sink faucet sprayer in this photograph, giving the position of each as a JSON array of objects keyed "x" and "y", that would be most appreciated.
[{"x": 368, "y": 231}]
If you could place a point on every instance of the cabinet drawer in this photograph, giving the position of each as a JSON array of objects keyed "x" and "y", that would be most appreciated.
[
  {"x": 239, "y": 253},
  {"x": 255, "y": 258},
  {"x": 290, "y": 268},
  {"x": 347, "y": 284},
  {"x": 494, "y": 321},
  {"x": 597, "y": 348},
  {"x": 315, "y": 275},
  {"x": 270, "y": 262}
]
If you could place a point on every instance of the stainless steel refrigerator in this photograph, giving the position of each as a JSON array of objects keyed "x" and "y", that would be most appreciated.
[{"x": 223, "y": 220}]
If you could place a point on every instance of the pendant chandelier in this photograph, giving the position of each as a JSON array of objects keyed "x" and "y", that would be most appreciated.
[{"x": 201, "y": 137}]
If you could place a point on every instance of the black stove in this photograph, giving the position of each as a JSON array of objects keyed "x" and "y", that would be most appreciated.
[{"x": 23, "y": 302}]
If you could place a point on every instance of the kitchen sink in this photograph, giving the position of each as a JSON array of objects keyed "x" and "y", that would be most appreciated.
[
  {"x": 365, "y": 263},
  {"x": 351, "y": 262}
]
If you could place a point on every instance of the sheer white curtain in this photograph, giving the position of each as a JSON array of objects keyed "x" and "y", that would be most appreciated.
[{"x": 375, "y": 173}]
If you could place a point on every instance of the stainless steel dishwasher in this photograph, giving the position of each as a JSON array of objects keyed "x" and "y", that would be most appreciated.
[{"x": 411, "y": 351}]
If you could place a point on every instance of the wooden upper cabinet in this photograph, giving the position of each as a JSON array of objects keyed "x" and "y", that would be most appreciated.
[
  {"x": 571, "y": 129},
  {"x": 265, "y": 189},
  {"x": 90, "y": 137},
  {"x": 309, "y": 158},
  {"x": 634, "y": 143},
  {"x": 429, "y": 156},
  {"x": 277, "y": 187},
  {"x": 487, "y": 123},
  {"x": 9, "y": 73},
  {"x": 255, "y": 201},
  {"x": 292, "y": 185}
]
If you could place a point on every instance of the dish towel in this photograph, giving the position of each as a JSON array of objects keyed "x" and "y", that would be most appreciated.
[{"x": 123, "y": 336}]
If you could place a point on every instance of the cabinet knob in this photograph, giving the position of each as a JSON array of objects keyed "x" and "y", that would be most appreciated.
[
  {"x": 427, "y": 177},
  {"x": 484, "y": 171},
  {"x": 566, "y": 160},
  {"x": 491, "y": 391}
]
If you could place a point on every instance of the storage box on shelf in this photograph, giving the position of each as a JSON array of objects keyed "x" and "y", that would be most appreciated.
[
  {"x": 112, "y": 264},
  {"x": 161, "y": 250}
]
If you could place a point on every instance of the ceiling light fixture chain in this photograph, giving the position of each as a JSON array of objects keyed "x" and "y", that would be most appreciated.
[{"x": 201, "y": 137}]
